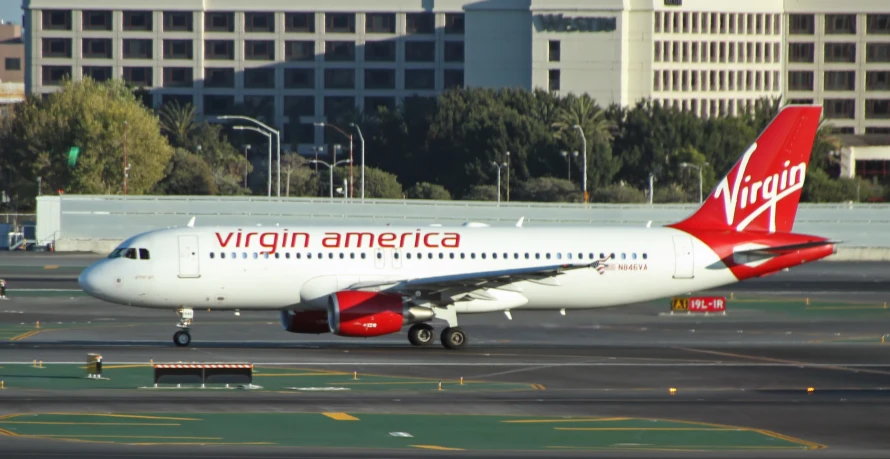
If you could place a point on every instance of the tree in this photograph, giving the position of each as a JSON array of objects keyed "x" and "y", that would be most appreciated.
[
  {"x": 103, "y": 120},
  {"x": 548, "y": 189},
  {"x": 481, "y": 193},
  {"x": 379, "y": 184},
  {"x": 299, "y": 179},
  {"x": 187, "y": 174},
  {"x": 424, "y": 190},
  {"x": 587, "y": 115},
  {"x": 228, "y": 165},
  {"x": 178, "y": 122}
]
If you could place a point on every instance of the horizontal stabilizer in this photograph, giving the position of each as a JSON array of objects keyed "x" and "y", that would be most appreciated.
[{"x": 778, "y": 250}]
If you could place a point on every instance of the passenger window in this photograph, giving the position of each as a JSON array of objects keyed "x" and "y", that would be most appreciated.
[
  {"x": 623, "y": 256},
  {"x": 506, "y": 255},
  {"x": 484, "y": 255},
  {"x": 451, "y": 255},
  {"x": 494, "y": 255},
  {"x": 211, "y": 255},
  {"x": 222, "y": 255},
  {"x": 537, "y": 256},
  {"x": 441, "y": 255},
  {"x": 462, "y": 255},
  {"x": 352, "y": 255},
  {"x": 526, "y": 255},
  {"x": 343, "y": 255},
  {"x": 363, "y": 255},
  {"x": 266, "y": 255},
  {"x": 644, "y": 256},
  {"x": 515, "y": 256},
  {"x": 548, "y": 255},
  {"x": 430, "y": 255},
  {"x": 379, "y": 255},
  {"x": 276, "y": 255},
  {"x": 634, "y": 256},
  {"x": 143, "y": 254},
  {"x": 297, "y": 255},
  {"x": 330, "y": 255},
  {"x": 408, "y": 255},
  {"x": 395, "y": 255},
  {"x": 287, "y": 255},
  {"x": 473, "y": 255}
]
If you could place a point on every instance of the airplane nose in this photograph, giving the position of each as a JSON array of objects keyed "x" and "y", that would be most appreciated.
[{"x": 88, "y": 281}]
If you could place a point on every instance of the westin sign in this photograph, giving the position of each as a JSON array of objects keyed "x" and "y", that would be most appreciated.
[{"x": 560, "y": 23}]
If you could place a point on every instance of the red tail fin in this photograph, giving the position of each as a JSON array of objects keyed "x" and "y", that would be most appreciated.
[{"x": 762, "y": 190}]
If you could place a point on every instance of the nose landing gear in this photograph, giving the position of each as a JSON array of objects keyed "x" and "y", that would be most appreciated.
[{"x": 183, "y": 337}]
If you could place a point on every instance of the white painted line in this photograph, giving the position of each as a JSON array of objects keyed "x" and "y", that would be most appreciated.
[{"x": 494, "y": 364}]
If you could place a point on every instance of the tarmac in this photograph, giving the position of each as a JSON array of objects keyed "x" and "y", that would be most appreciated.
[{"x": 799, "y": 366}]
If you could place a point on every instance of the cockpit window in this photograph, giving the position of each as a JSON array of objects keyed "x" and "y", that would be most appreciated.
[
  {"x": 130, "y": 253},
  {"x": 117, "y": 253},
  {"x": 143, "y": 254}
]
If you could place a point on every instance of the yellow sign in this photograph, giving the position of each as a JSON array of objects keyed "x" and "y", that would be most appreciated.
[{"x": 679, "y": 304}]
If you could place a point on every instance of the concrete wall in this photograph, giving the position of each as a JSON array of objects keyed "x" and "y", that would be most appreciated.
[{"x": 97, "y": 223}]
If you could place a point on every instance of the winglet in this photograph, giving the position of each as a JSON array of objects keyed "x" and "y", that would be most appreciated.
[
  {"x": 191, "y": 222},
  {"x": 519, "y": 223}
]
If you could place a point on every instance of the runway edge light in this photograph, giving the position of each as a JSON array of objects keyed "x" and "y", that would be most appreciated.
[{"x": 672, "y": 390}]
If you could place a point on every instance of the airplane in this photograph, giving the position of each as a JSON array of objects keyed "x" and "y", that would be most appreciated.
[{"x": 360, "y": 281}]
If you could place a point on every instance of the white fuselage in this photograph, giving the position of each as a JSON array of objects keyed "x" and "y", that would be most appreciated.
[{"x": 223, "y": 268}]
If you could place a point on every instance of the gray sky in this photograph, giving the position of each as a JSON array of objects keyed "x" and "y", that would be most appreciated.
[{"x": 11, "y": 10}]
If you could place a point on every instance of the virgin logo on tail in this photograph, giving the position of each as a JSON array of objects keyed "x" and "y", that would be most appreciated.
[{"x": 767, "y": 192}]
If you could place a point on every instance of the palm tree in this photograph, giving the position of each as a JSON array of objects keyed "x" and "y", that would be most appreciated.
[
  {"x": 178, "y": 122},
  {"x": 586, "y": 114}
]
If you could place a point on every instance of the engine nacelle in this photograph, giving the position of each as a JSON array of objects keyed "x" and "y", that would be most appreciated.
[
  {"x": 366, "y": 314},
  {"x": 314, "y": 322}
]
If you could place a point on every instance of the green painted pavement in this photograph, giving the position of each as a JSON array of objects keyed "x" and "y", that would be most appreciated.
[
  {"x": 39, "y": 293},
  {"x": 72, "y": 377},
  {"x": 802, "y": 306},
  {"x": 398, "y": 431}
]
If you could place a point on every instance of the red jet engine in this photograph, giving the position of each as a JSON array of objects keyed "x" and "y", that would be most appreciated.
[{"x": 367, "y": 314}]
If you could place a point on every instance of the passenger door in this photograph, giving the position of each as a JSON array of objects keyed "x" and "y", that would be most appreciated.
[
  {"x": 188, "y": 257},
  {"x": 684, "y": 259}
]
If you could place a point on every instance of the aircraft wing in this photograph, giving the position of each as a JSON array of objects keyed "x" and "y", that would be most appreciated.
[{"x": 470, "y": 281}]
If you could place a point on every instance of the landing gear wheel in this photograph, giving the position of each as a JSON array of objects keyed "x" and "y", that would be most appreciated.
[
  {"x": 421, "y": 334},
  {"x": 182, "y": 338},
  {"x": 454, "y": 338}
]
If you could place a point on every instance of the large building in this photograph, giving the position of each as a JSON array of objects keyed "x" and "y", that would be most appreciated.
[
  {"x": 296, "y": 62},
  {"x": 12, "y": 66}
]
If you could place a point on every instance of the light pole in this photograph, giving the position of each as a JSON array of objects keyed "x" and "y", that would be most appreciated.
[
  {"x": 269, "y": 136},
  {"x": 508, "y": 176},
  {"x": 499, "y": 166},
  {"x": 584, "y": 152},
  {"x": 126, "y": 162},
  {"x": 348, "y": 136},
  {"x": 362, "y": 138},
  {"x": 699, "y": 168},
  {"x": 246, "y": 149},
  {"x": 277, "y": 147},
  {"x": 331, "y": 169},
  {"x": 568, "y": 158}
]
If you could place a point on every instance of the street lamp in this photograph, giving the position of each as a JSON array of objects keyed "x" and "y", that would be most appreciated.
[
  {"x": 362, "y": 138},
  {"x": 565, "y": 155},
  {"x": 508, "y": 176},
  {"x": 584, "y": 150},
  {"x": 699, "y": 168},
  {"x": 331, "y": 169},
  {"x": 348, "y": 136},
  {"x": 269, "y": 136},
  {"x": 499, "y": 166},
  {"x": 246, "y": 149},
  {"x": 277, "y": 147}
]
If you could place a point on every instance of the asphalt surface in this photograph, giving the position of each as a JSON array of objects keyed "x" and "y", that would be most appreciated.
[{"x": 750, "y": 368}]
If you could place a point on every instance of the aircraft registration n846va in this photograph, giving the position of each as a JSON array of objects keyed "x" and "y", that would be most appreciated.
[{"x": 361, "y": 281}]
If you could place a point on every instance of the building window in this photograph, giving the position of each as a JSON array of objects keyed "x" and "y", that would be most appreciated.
[
  {"x": 137, "y": 21},
  {"x": 219, "y": 77},
  {"x": 454, "y": 51},
  {"x": 178, "y": 49},
  {"x": 840, "y": 24},
  {"x": 337, "y": 106},
  {"x": 56, "y": 19},
  {"x": 877, "y": 52},
  {"x": 137, "y": 49},
  {"x": 54, "y": 74},
  {"x": 877, "y": 81},
  {"x": 259, "y": 78},
  {"x": 219, "y": 50},
  {"x": 96, "y": 20},
  {"x": 554, "y": 48},
  {"x": 801, "y": 52},
  {"x": 380, "y": 79},
  {"x": 380, "y": 23},
  {"x": 800, "y": 101},
  {"x": 453, "y": 78},
  {"x": 877, "y": 130},
  {"x": 178, "y": 21},
  {"x": 96, "y": 48},
  {"x": 259, "y": 50},
  {"x": 553, "y": 79},
  {"x": 877, "y": 108},
  {"x": 299, "y": 78},
  {"x": 299, "y": 106},
  {"x": 380, "y": 51},
  {"x": 840, "y": 108},
  {"x": 299, "y": 22},
  {"x": 299, "y": 51},
  {"x": 339, "y": 78},
  {"x": 339, "y": 51},
  {"x": 374, "y": 104},
  {"x": 57, "y": 47},
  {"x": 219, "y": 21},
  {"x": 840, "y": 81},
  {"x": 420, "y": 51},
  {"x": 339, "y": 22},
  {"x": 97, "y": 73},
  {"x": 420, "y": 79},
  {"x": 878, "y": 24},
  {"x": 295, "y": 133},
  {"x": 263, "y": 107},
  {"x": 259, "y": 22},
  {"x": 801, "y": 24},
  {"x": 454, "y": 23},
  {"x": 180, "y": 99},
  {"x": 840, "y": 52},
  {"x": 420, "y": 23},
  {"x": 178, "y": 77},
  {"x": 13, "y": 63},
  {"x": 800, "y": 81},
  {"x": 218, "y": 105},
  {"x": 138, "y": 76}
]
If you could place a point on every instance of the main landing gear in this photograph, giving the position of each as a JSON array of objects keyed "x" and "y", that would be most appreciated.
[
  {"x": 182, "y": 337},
  {"x": 423, "y": 334}
]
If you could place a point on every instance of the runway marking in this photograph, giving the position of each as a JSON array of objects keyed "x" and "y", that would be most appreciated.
[
  {"x": 770, "y": 433},
  {"x": 124, "y": 436},
  {"x": 341, "y": 416},
  {"x": 25, "y": 335},
  {"x": 437, "y": 448},
  {"x": 105, "y": 415},
  {"x": 51, "y": 267},
  {"x": 840, "y": 367},
  {"x": 112, "y": 424},
  {"x": 644, "y": 428},
  {"x": 538, "y": 387},
  {"x": 549, "y": 421},
  {"x": 8, "y": 433},
  {"x": 521, "y": 364}
]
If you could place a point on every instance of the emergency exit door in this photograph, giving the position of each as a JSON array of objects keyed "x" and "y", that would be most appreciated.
[
  {"x": 684, "y": 258},
  {"x": 188, "y": 257}
]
